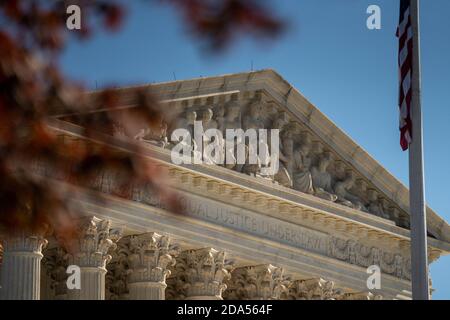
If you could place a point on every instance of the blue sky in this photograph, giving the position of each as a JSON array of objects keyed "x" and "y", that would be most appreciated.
[{"x": 328, "y": 54}]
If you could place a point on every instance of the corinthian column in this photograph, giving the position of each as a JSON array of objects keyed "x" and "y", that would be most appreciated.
[
  {"x": 313, "y": 289},
  {"x": 261, "y": 282},
  {"x": 203, "y": 272},
  {"x": 361, "y": 296},
  {"x": 148, "y": 260},
  {"x": 21, "y": 267},
  {"x": 90, "y": 253}
]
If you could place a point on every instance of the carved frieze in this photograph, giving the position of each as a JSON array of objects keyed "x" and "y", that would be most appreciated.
[
  {"x": 335, "y": 247},
  {"x": 356, "y": 253},
  {"x": 342, "y": 249}
]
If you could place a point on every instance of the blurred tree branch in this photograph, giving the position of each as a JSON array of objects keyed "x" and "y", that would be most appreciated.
[{"x": 32, "y": 35}]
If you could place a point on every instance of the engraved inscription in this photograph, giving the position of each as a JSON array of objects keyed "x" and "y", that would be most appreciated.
[{"x": 249, "y": 222}]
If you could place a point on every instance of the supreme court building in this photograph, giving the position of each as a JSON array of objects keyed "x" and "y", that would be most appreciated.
[{"x": 311, "y": 231}]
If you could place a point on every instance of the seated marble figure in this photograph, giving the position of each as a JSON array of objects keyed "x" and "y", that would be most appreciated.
[
  {"x": 230, "y": 118},
  {"x": 301, "y": 177},
  {"x": 284, "y": 174},
  {"x": 322, "y": 180},
  {"x": 345, "y": 196},
  {"x": 156, "y": 135},
  {"x": 187, "y": 122},
  {"x": 253, "y": 120},
  {"x": 286, "y": 152},
  {"x": 375, "y": 206},
  {"x": 209, "y": 123},
  {"x": 295, "y": 164}
]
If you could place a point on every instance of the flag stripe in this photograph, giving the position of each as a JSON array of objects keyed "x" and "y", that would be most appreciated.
[{"x": 405, "y": 64}]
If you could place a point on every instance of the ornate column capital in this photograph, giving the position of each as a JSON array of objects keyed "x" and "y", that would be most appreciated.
[
  {"x": 360, "y": 296},
  {"x": 21, "y": 267},
  {"x": 24, "y": 243},
  {"x": 149, "y": 258},
  {"x": 95, "y": 238},
  {"x": 202, "y": 273},
  {"x": 139, "y": 267},
  {"x": 313, "y": 289},
  {"x": 260, "y": 282}
]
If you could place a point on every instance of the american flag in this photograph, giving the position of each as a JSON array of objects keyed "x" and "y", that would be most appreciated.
[{"x": 405, "y": 64}]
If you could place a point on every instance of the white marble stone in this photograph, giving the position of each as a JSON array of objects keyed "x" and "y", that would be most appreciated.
[
  {"x": 21, "y": 267},
  {"x": 91, "y": 255}
]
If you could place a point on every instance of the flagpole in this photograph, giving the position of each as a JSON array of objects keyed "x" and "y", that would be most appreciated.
[{"x": 419, "y": 257}]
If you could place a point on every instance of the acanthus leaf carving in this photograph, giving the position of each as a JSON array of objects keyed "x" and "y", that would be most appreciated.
[
  {"x": 55, "y": 262},
  {"x": 150, "y": 257},
  {"x": 91, "y": 246},
  {"x": 260, "y": 282},
  {"x": 360, "y": 296},
  {"x": 201, "y": 273},
  {"x": 313, "y": 289},
  {"x": 116, "y": 277}
]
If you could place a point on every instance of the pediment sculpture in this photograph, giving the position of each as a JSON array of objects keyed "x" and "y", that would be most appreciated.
[{"x": 305, "y": 163}]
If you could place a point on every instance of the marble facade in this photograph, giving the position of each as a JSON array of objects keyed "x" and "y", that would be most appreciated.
[{"x": 308, "y": 232}]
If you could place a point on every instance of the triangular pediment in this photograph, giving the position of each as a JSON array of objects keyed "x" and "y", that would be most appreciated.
[{"x": 351, "y": 177}]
